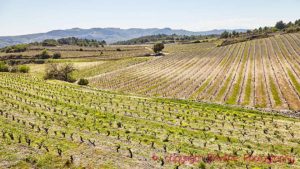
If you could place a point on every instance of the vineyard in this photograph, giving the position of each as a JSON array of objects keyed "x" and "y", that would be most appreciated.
[
  {"x": 54, "y": 124},
  {"x": 76, "y": 52},
  {"x": 262, "y": 73},
  {"x": 91, "y": 67}
]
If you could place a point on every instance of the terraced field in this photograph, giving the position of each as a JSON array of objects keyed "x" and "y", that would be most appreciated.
[
  {"x": 259, "y": 73},
  {"x": 51, "y": 124}
]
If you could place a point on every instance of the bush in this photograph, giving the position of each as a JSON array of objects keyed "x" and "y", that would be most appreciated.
[
  {"x": 24, "y": 69},
  {"x": 292, "y": 29},
  {"x": 13, "y": 69},
  {"x": 3, "y": 67},
  {"x": 56, "y": 55},
  {"x": 83, "y": 82},
  {"x": 158, "y": 47},
  {"x": 44, "y": 55},
  {"x": 60, "y": 72},
  {"x": 39, "y": 61},
  {"x": 15, "y": 48},
  {"x": 49, "y": 42}
]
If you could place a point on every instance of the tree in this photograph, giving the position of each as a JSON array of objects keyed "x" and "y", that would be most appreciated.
[
  {"x": 290, "y": 24},
  {"x": 225, "y": 34},
  {"x": 60, "y": 72},
  {"x": 235, "y": 34},
  {"x": 49, "y": 42},
  {"x": 158, "y": 47},
  {"x": 15, "y": 48},
  {"x": 280, "y": 25},
  {"x": 297, "y": 22}
]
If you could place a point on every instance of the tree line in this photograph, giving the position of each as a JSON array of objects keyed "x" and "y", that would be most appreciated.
[
  {"x": 53, "y": 42},
  {"x": 289, "y": 27},
  {"x": 163, "y": 38},
  {"x": 71, "y": 41}
]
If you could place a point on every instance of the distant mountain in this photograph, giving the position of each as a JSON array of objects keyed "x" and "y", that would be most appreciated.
[{"x": 110, "y": 35}]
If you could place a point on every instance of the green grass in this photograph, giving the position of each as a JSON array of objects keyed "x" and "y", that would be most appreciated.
[
  {"x": 235, "y": 91},
  {"x": 200, "y": 89},
  {"x": 224, "y": 87},
  {"x": 275, "y": 93},
  {"x": 263, "y": 94},
  {"x": 295, "y": 82},
  {"x": 247, "y": 95}
]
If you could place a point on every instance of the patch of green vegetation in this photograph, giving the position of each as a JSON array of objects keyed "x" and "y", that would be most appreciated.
[
  {"x": 236, "y": 88},
  {"x": 294, "y": 80},
  {"x": 247, "y": 96},
  {"x": 274, "y": 92},
  {"x": 201, "y": 88},
  {"x": 224, "y": 87},
  {"x": 263, "y": 93}
]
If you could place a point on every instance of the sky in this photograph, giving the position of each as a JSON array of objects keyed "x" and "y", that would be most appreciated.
[{"x": 35, "y": 16}]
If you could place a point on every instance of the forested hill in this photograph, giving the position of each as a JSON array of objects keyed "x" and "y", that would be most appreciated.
[{"x": 110, "y": 35}]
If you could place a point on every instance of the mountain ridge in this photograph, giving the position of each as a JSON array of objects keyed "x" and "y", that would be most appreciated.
[{"x": 110, "y": 35}]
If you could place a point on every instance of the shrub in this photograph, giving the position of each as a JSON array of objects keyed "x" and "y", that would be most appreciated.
[
  {"x": 56, "y": 55},
  {"x": 292, "y": 29},
  {"x": 158, "y": 47},
  {"x": 24, "y": 69},
  {"x": 83, "y": 82},
  {"x": 3, "y": 67},
  {"x": 15, "y": 48},
  {"x": 60, "y": 72},
  {"x": 39, "y": 61},
  {"x": 44, "y": 55}
]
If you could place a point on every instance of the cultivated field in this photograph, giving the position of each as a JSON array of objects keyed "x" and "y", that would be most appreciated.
[
  {"x": 75, "y": 52},
  {"x": 261, "y": 73},
  {"x": 144, "y": 111},
  {"x": 51, "y": 124}
]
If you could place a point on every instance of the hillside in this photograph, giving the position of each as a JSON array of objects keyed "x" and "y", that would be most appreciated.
[
  {"x": 188, "y": 108},
  {"x": 110, "y": 35},
  {"x": 258, "y": 73},
  {"x": 55, "y": 124},
  {"x": 51, "y": 124},
  {"x": 151, "y": 39}
]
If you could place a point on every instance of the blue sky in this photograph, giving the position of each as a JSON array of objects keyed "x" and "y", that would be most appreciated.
[{"x": 32, "y": 16}]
